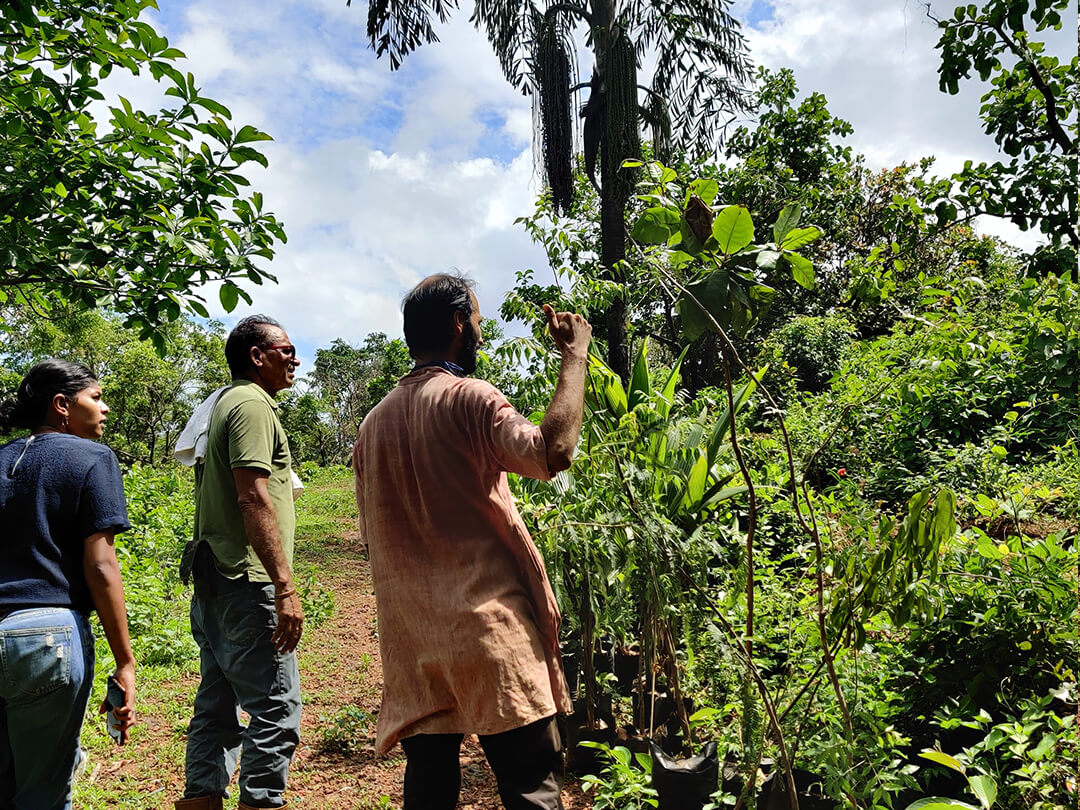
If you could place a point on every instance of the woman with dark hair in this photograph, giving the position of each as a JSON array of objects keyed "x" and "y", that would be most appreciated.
[{"x": 61, "y": 504}]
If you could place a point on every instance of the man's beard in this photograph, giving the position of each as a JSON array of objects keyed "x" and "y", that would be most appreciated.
[{"x": 467, "y": 356}]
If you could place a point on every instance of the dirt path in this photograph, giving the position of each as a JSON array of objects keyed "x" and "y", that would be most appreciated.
[
  {"x": 340, "y": 669},
  {"x": 335, "y": 766}
]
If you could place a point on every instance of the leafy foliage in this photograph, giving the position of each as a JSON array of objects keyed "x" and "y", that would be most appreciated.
[
  {"x": 1030, "y": 112},
  {"x": 624, "y": 783},
  {"x": 135, "y": 216}
]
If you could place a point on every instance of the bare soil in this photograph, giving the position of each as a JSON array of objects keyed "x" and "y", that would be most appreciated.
[{"x": 335, "y": 765}]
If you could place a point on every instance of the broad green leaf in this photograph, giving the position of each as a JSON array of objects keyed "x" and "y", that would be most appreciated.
[
  {"x": 767, "y": 259},
  {"x": 713, "y": 296},
  {"x": 695, "y": 483},
  {"x": 656, "y": 225},
  {"x": 198, "y": 249},
  {"x": 704, "y": 714},
  {"x": 942, "y": 758},
  {"x": 944, "y": 520},
  {"x": 639, "y": 378},
  {"x": 733, "y": 229},
  {"x": 802, "y": 270},
  {"x": 706, "y": 189},
  {"x": 788, "y": 219},
  {"x": 797, "y": 237},
  {"x": 1045, "y": 746},
  {"x": 229, "y": 296},
  {"x": 985, "y": 790},
  {"x": 939, "y": 803},
  {"x": 986, "y": 548},
  {"x": 726, "y": 494},
  {"x": 616, "y": 397},
  {"x": 678, "y": 258},
  {"x": 215, "y": 107},
  {"x": 734, "y": 301},
  {"x": 249, "y": 134}
]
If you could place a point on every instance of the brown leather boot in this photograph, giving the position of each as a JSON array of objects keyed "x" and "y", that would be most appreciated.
[{"x": 199, "y": 803}]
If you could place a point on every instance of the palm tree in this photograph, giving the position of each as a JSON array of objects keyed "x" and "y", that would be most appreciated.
[{"x": 702, "y": 66}]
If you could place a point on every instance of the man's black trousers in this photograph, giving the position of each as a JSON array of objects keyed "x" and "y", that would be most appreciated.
[{"x": 527, "y": 762}]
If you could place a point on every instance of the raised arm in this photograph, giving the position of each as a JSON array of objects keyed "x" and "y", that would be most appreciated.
[
  {"x": 562, "y": 421},
  {"x": 260, "y": 524},
  {"x": 102, "y": 572}
]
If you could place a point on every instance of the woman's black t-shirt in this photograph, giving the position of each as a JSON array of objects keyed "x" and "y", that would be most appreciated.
[{"x": 55, "y": 491}]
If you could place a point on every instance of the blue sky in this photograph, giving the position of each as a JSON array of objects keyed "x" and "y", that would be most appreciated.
[{"x": 382, "y": 178}]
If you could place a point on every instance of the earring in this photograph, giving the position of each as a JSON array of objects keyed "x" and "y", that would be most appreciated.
[{"x": 64, "y": 423}]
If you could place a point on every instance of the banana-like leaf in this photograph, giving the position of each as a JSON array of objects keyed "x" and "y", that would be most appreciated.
[
  {"x": 605, "y": 390},
  {"x": 723, "y": 424},
  {"x": 616, "y": 396},
  {"x": 724, "y": 495},
  {"x": 667, "y": 393},
  {"x": 695, "y": 482},
  {"x": 639, "y": 378},
  {"x": 718, "y": 484}
]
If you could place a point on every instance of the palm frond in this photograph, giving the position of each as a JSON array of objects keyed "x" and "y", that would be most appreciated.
[
  {"x": 398, "y": 27},
  {"x": 513, "y": 29},
  {"x": 702, "y": 65}
]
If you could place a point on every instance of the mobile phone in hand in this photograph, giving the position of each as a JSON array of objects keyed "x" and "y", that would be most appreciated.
[{"x": 114, "y": 697}]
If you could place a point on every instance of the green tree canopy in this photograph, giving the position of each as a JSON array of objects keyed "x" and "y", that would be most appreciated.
[
  {"x": 1030, "y": 111},
  {"x": 135, "y": 215}
]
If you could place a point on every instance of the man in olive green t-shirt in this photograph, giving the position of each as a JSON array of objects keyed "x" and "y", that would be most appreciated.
[{"x": 245, "y": 613}]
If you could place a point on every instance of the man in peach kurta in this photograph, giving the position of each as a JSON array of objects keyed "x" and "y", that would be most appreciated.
[{"x": 468, "y": 623}]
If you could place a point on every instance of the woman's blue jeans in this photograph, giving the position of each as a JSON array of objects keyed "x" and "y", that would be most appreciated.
[{"x": 46, "y": 672}]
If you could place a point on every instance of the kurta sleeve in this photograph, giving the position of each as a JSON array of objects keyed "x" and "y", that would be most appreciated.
[{"x": 515, "y": 443}]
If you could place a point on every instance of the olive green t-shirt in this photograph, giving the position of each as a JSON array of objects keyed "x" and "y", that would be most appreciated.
[{"x": 245, "y": 431}]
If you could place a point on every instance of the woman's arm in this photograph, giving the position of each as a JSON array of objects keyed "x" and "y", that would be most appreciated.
[{"x": 102, "y": 572}]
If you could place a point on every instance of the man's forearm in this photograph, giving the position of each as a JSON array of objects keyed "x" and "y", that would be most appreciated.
[
  {"x": 562, "y": 421},
  {"x": 260, "y": 524}
]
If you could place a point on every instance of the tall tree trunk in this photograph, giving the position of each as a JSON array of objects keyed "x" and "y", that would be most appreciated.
[
  {"x": 616, "y": 62},
  {"x": 613, "y": 251}
]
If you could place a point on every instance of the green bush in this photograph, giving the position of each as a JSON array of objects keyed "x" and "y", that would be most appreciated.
[
  {"x": 161, "y": 507},
  {"x": 968, "y": 375},
  {"x": 805, "y": 352}
]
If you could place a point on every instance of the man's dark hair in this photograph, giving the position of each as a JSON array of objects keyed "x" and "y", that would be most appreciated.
[
  {"x": 249, "y": 333},
  {"x": 429, "y": 312}
]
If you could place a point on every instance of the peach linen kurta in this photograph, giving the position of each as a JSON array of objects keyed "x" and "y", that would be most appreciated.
[{"x": 468, "y": 624}]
